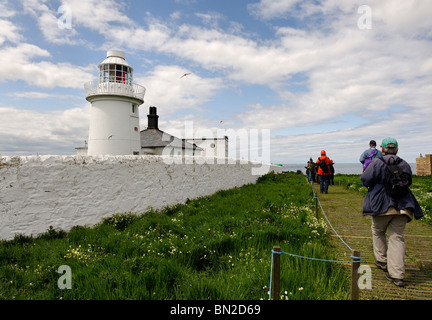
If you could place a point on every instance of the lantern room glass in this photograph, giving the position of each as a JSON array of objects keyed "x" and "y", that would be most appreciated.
[{"x": 115, "y": 73}]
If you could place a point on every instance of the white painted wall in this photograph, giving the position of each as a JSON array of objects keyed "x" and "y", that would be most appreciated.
[
  {"x": 114, "y": 125},
  {"x": 64, "y": 191}
]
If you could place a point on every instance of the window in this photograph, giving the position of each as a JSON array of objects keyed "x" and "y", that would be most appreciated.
[
  {"x": 119, "y": 74},
  {"x": 115, "y": 73}
]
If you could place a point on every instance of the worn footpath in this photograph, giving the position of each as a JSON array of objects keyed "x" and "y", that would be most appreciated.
[{"x": 343, "y": 208}]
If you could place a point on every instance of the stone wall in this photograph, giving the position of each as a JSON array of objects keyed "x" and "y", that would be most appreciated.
[
  {"x": 424, "y": 165},
  {"x": 64, "y": 191}
]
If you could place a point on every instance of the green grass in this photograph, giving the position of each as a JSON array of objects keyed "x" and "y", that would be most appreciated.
[
  {"x": 421, "y": 188},
  {"x": 216, "y": 247}
]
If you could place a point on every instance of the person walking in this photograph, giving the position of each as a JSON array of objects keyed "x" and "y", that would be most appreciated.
[
  {"x": 313, "y": 170},
  {"x": 332, "y": 173},
  {"x": 324, "y": 173},
  {"x": 308, "y": 173},
  {"x": 390, "y": 210},
  {"x": 369, "y": 154},
  {"x": 310, "y": 170}
]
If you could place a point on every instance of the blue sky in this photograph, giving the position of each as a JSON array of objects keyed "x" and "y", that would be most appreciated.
[{"x": 318, "y": 74}]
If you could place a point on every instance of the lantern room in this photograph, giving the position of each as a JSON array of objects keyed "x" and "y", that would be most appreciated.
[
  {"x": 115, "y": 68},
  {"x": 115, "y": 77}
]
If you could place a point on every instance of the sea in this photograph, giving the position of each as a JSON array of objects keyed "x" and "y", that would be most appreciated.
[{"x": 343, "y": 168}]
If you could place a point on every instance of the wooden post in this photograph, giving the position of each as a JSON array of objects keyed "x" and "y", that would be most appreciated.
[
  {"x": 276, "y": 273},
  {"x": 355, "y": 276}
]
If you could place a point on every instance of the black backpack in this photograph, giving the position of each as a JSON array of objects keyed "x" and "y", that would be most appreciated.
[
  {"x": 396, "y": 182},
  {"x": 323, "y": 165}
]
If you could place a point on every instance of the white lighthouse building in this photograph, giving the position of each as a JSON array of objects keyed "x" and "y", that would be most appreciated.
[{"x": 114, "y": 116}]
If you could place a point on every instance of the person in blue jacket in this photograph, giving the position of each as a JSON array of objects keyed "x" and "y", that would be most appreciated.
[
  {"x": 388, "y": 213},
  {"x": 369, "y": 154}
]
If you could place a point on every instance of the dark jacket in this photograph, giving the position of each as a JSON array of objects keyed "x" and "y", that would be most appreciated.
[{"x": 377, "y": 201}]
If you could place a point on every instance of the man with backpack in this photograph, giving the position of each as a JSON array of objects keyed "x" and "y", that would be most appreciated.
[
  {"x": 324, "y": 173},
  {"x": 369, "y": 154},
  {"x": 391, "y": 204}
]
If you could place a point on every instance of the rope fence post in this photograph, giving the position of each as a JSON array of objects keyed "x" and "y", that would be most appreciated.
[
  {"x": 274, "y": 290},
  {"x": 276, "y": 273},
  {"x": 354, "y": 275}
]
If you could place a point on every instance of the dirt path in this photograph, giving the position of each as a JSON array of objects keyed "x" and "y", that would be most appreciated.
[{"x": 343, "y": 209}]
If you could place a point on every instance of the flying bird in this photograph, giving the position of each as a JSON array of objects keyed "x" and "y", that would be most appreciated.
[{"x": 186, "y": 74}]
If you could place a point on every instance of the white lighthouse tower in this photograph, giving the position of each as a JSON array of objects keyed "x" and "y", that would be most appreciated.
[{"x": 114, "y": 116}]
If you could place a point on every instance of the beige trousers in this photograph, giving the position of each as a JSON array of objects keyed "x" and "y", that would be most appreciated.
[{"x": 392, "y": 252}]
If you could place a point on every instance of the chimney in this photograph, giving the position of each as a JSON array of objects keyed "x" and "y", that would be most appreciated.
[{"x": 152, "y": 119}]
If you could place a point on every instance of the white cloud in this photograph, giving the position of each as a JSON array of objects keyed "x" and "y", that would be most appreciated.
[
  {"x": 407, "y": 17},
  {"x": 138, "y": 38},
  {"x": 346, "y": 145},
  {"x": 239, "y": 58},
  {"x": 210, "y": 19},
  {"x": 268, "y": 9},
  {"x": 170, "y": 92},
  {"x": 21, "y": 63},
  {"x": 5, "y": 10},
  {"x": 97, "y": 14},
  {"x": 48, "y": 22},
  {"x": 26, "y": 132},
  {"x": 8, "y": 32},
  {"x": 41, "y": 95}
]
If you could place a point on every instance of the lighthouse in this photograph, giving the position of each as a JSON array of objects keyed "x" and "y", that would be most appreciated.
[{"x": 114, "y": 116}]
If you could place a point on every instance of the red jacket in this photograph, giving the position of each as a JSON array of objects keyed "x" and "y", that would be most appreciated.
[{"x": 327, "y": 162}]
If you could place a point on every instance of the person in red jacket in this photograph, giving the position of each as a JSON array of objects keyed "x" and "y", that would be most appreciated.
[{"x": 324, "y": 172}]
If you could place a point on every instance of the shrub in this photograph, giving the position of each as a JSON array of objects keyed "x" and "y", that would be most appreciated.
[
  {"x": 120, "y": 221},
  {"x": 53, "y": 234}
]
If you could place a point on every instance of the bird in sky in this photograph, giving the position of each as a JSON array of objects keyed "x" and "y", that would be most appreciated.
[{"x": 186, "y": 74}]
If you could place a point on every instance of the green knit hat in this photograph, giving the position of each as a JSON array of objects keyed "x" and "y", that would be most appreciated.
[{"x": 389, "y": 143}]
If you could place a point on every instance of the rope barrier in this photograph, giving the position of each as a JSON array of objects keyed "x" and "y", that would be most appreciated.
[
  {"x": 325, "y": 216},
  {"x": 422, "y": 195},
  {"x": 322, "y": 210},
  {"x": 354, "y": 258}
]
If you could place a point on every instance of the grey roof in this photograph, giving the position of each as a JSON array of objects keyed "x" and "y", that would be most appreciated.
[{"x": 152, "y": 138}]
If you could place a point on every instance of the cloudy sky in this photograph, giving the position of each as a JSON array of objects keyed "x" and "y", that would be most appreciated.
[{"x": 328, "y": 74}]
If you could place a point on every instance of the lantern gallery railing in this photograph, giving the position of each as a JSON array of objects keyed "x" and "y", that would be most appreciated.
[{"x": 131, "y": 90}]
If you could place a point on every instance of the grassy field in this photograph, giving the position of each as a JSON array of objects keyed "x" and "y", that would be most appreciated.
[
  {"x": 216, "y": 247},
  {"x": 421, "y": 188}
]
